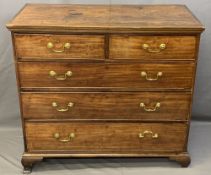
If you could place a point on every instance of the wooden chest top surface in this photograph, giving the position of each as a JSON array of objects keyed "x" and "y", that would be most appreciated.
[{"x": 105, "y": 18}]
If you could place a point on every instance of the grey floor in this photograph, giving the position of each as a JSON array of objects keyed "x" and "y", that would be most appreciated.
[{"x": 11, "y": 148}]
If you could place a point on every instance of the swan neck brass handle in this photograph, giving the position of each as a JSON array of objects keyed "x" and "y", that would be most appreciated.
[
  {"x": 60, "y": 109},
  {"x": 154, "y": 50},
  {"x": 51, "y": 47},
  {"x": 157, "y": 106},
  {"x": 144, "y": 74},
  {"x": 70, "y": 137},
  {"x": 60, "y": 77},
  {"x": 147, "y": 132}
]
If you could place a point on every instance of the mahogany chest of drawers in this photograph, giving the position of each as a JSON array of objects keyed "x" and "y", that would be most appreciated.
[{"x": 105, "y": 81}]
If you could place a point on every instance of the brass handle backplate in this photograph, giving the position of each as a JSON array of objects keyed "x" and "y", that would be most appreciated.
[
  {"x": 157, "y": 106},
  {"x": 144, "y": 74},
  {"x": 70, "y": 137},
  {"x": 59, "y": 109},
  {"x": 147, "y": 132},
  {"x": 60, "y": 77},
  {"x": 51, "y": 46},
  {"x": 154, "y": 50}
]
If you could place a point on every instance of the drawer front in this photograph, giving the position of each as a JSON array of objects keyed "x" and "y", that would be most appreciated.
[
  {"x": 141, "y": 106},
  {"x": 59, "y": 46},
  {"x": 97, "y": 137},
  {"x": 132, "y": 76},
  {"x": 152, "y": 47}
]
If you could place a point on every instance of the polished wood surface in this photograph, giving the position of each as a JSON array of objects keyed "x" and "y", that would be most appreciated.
[
  {"x": 81, "y": 46},
  {"x": 108, "y": 18},
  {"x": 173, "y": 106},
  {"x": 107, "y": 75},
  {"x": 105, "y": 80},
  {"x": 130, "y": 47},
  {"x": 106, "y": 137}
]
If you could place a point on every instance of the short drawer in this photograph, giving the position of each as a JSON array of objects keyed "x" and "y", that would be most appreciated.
[
  {"x": 134, "y": 76},
  {"x": 152, "y": 47},
  {"x": 163, "y": 106},
  {"x": 97, "y": 137},
  {"x": 34, "y": 46}
]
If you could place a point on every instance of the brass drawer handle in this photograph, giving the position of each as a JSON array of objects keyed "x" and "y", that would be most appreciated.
[
  {"x": 147, "y": 132},
  {"x": 154, "y": 50},
  {"x": 55, "y": 105},
  {"x": 157, "y": 106},
  {"x": 64, "y": 47},
  {"x": 60, "y": 77},
  {"x": 144, "y": 74},
  {"x": 70, "y": 137}
]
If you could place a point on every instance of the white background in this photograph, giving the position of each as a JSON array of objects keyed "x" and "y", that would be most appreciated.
[{"x": 11, "y": 146}]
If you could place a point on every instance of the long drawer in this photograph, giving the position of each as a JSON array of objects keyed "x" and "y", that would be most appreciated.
[
  {"x": 152, "y": 47},
  {"x": 126, "y": 105},
  {"x": 48, "y": 46},
  {"x": 100, "y": 137},
  {"x": 140, "y": 75}
]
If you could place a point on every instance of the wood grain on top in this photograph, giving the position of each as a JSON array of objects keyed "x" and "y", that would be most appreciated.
[{"x": 105, "y": 18}]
